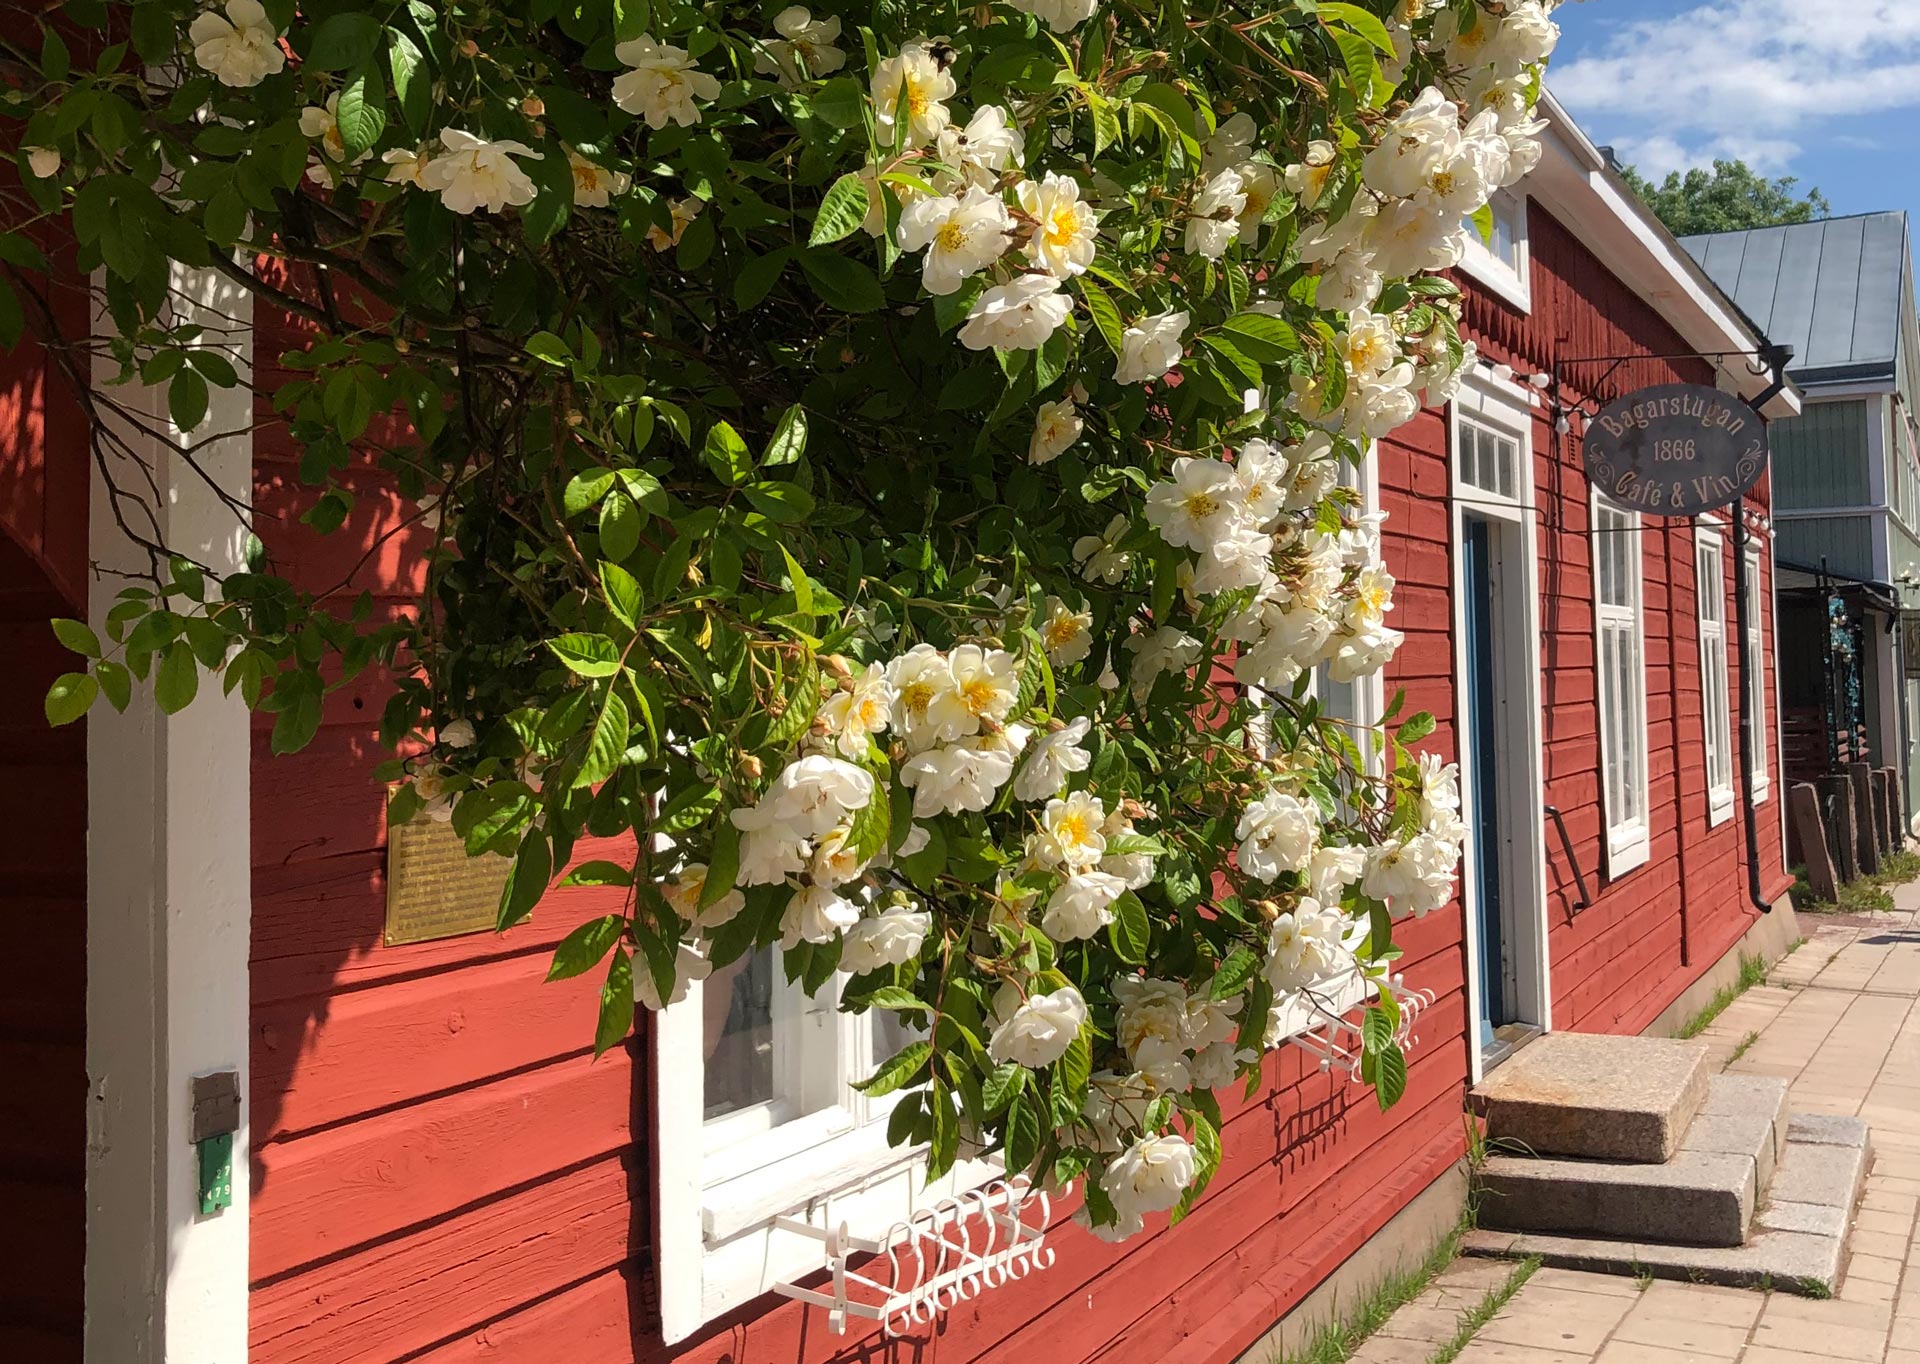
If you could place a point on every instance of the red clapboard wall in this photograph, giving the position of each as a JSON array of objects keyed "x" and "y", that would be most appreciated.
[
  {"x": 43, "y": 827},
  {"x": 444, "y": 1179}
]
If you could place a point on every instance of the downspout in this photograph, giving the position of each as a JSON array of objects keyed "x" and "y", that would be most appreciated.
[
  {"x": 1673, "y": 712},
  {"x": 1778, "y": 357}
]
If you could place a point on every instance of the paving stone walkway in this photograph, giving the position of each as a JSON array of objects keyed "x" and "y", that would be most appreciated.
[{"x": 1840, "y": 1021}]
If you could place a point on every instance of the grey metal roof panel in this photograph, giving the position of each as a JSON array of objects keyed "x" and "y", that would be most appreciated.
[{"x": 1830, "y": 289}]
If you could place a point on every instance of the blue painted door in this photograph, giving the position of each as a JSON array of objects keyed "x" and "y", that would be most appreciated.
[{"x": 1483, "y": 799}]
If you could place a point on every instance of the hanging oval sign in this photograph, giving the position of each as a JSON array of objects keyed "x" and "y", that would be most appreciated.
[{"x": 1676, "y": 450}]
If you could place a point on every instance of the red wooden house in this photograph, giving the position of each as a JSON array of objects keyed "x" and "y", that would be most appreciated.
[{"x": 431, "y": 1168}]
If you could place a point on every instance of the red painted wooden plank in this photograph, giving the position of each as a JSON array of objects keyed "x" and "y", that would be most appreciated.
[
  {"x": 596, "y": 1322},
  {"x": 432, "y": 1285},
  {"x": 321, "y": 1060}
]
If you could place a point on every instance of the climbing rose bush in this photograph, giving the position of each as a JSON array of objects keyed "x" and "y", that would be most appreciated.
[{"x": 896, "y": 461}]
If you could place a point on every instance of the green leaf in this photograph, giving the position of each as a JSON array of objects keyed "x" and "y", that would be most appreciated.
[
  {"x": 723, "y": 865},
  {"x": 1003, "y": 1085},
  {"x": 616, "y": 1004},
  {"x": 1376, "y": 1031},
  {"x": 1130, "y": 932},
  {"x": 899, "y": 1000},
  {"x": 842, "y": 282},
  {"x": 1234, "y": 973},
  {"x": 871, "y": 826},
  {"x": 789, "y": 439},
  {"x": 526, "y": 879},
  {"x": 841, "y": 101},
  {"x": 1483, "y": 224},
  {"x": 786, "y": 503},
  {"x": 598, "y": 873},
  {"x": 117, "y": 683},
  {"x": 581, "y": 950},
  {"x": 412, "y": 81},
  {"x": 1106, "y": 316},
  {"x": 802, "y": 585},
  {"x": 178, "y": 680},
  {"x": 344, "y": 41},
  {"x": 56, "y": 63},
  {"x": 77, "y": 636},
  {"x": 841, "y": 212},
  {"x": 1367, "y": 25},
  {"x": 1023, "y": 1133},
  {"x": 608, "y": 743},
  {"x": 619, "y": 526},
  {"x": 187, "y": 399},
  {"x": 362, "y": 111},
  {"x": 69, "y": 697},
  {"x": 587, "y": 655},
  {"x": 1416, "y": 728},
  {"x": 757, "y": 278},
  {"x": 727, "y": 455},
  {"x": 897, "y": 1071},
  {"x": 623, "y": 593},
  {"x": 1390, "y": 1076},
  {"x": 1265, "y": 338}
]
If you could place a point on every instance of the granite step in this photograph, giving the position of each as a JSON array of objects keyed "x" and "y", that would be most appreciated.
[
  {"x": 1798, "y": 1243},
  {"x": 1705, "y": 1194},
  {"x": 1594, "y": 1097}
]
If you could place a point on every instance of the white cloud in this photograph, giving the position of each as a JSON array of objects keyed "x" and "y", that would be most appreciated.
[{"x": 1743, "y": 78}]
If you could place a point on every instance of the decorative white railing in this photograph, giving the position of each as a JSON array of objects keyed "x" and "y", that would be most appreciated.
[
  {"x": 1332, "y": 1039},
  {"x": 945, "y": 1254}
]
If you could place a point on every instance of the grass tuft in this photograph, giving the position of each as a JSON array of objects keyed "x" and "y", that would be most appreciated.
[
  {"x": 1863, "y": 895},
  {"x": 1753, "y": 971},
  {"x": 1746, "y": 1044},
  {"x": 1485, "y": 1311},
  {"x": 1335, "y": 1342}
]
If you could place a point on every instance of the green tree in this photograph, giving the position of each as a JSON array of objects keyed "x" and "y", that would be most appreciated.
[{"x": 1731, "y": 198}]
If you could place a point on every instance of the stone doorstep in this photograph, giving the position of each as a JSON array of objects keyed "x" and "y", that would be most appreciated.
[
  {"x": 1596, "y": 1097},
  {"x": 1796, "y": 1246},
  {"x": 1705, "y": 1195}
]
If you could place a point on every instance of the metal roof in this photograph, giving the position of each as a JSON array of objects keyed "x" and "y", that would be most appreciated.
[{"x": 1830, "y": 289}]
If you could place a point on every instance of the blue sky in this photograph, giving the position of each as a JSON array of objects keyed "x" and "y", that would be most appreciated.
[{"x": 1825, "y": 90}]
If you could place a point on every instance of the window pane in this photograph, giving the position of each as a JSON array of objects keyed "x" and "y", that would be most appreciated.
[
  {"x": 1509, "y": 457},
  {"x": 738, "y": 1028},
  {"x": 891, "y": 1032}
]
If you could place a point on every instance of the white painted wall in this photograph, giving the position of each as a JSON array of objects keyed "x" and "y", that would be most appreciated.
[{"x": 168, "y": 920}]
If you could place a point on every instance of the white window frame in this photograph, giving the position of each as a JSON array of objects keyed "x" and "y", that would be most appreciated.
[
  {"x": 1511, "y": 280},
  {"x": 1716, "y": 721},
  {"x": 721, "y": 1184},
  {"x": 1629, "y": 840},
  {"x": 1755, "y": 712}
]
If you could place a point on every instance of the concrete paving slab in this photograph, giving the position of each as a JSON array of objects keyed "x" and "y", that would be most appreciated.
[
  {"x": 1697, "y": 1197},
  {"x": 1786, "y": 1261},
  {"x": 1597, "y": 1097}
]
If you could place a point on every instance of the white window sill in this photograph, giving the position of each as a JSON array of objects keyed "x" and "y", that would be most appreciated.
[
  {"x": 1719, "y": 808},
  {"x": 1627, "y": 848},
  {"x": 1484, "y": 268},
  {"x": 1758, "y": 792}
]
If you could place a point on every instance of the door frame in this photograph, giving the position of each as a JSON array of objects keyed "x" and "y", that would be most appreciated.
[{"x": 1507, "y": 408}]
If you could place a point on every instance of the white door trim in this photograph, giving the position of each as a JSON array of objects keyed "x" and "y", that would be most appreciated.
[
  {"x": 1506, "y": 408},
  {"x": 169, "y": 905}
]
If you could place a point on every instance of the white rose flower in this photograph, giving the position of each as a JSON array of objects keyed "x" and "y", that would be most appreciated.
[
  {"x": 893, "y": 936},
  {"x": 593, "y": 184},
  {"x": 1057, "y": 426},
  {"x": 1197, "y": 506},
  {"x": 834, "y": 861},
  {"x": 680, "y": 216},
  {"x": 1066, "y": 633},
  {"x": 988, "y": 145},
  {"x": 1218, "y": 1065},
  {"x": 242, "y": 48},
  {"x": 1277, "y": 834},
  {"x": 1150, "y": 347},
  {"x": 804, "y": 50},
  {"x": 1364, "y": 654},
  {"x": 1242, "y": 557},
  {"x": 1307, "y": 946},
  {"x": 1081, "y": 907},
  {"x": 960, "y": 236},
  {"x": 457, "y": 734},
  {"x": 1035, "y": 1032},
  {"x": 1064, "y": 225},
  {"x": 1525, "y": 38},
  {"x": 1332, "y": 869},
  {"x": 1153, "y": 1025},
  {"x": 1059, "y": 15},
  {"x": 1100, "y": 556},
  {"x": 44, "y": 162},
  {"x": 861, "y": 708},
  {"x": 1215, "y": 221},
  {"x": 912, "y": 84},
  {"x": 473, "y": 173},
  {"x": 323, "y": 124},
  {"x": 1405, "y": 239},
  {"x": 1368, "y": 344},
  {"x": 769, "y": 851},
  {"x": 1307, "y": 179},
  {"x": 683, "y": 894},
  {"x": 1055, "y": 757},
  {"x": 1259, "y": 186},
  {"x": 986, "y": 683},
  {"x": 407, "y": 167},
  {"x": 815, "y": 914},
  {"x": 1150, "y": 1176},
  {"x": 1021, "y": 315},
  {"x": 1229, "y": 145},
  {"x": 1398, "y": 871},
  {"x": 1073, "y": 832},
  {"x": 1135, "y": 868},
  {"x": 926, "y": 706},
  {"x": 816, "y": 793},
  {"x": 1371, "y": 600},
  {"x": 663, "y": 83},
  {"x": 1260, "y": 475},
  {"x": 1115, "y": 1107},
  {"x": 689, "y": 964},
  {"x": 947, "y": 781},
  {"x": 1166, "y": 649},
  {"x": 1414, "y": 144}
]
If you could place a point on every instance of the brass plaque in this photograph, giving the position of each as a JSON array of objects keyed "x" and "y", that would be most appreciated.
[{"x": 434, "y": 890}]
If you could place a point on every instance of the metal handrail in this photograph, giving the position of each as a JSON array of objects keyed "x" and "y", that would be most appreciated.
[{"x": 1566, "y": 845}]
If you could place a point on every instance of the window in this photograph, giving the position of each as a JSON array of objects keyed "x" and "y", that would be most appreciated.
[
  {"x": 1755, "y": 713},
  {"x": 1711, "y": 589},
  {"x": 1488, "y": 460},
  {"x": 757, "y": 1119},
  {"x": 1502, "y": 262},
  {"x": 1620, "y": 660}
]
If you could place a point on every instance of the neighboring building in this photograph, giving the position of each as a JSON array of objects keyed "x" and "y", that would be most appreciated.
[
  {"x": 431, "y": 1168},
  {"x": 1846, "y": 478}
]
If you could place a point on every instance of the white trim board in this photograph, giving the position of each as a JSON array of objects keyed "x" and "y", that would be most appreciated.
[{"x": 169, "y": 904}]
